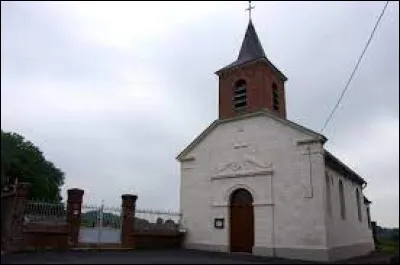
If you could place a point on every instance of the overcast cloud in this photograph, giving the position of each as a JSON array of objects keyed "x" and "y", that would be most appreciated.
[{"x": 113, "y": 91}]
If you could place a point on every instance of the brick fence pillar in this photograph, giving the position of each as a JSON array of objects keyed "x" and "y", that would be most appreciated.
[
  {"x": 128, "y": 219},
  {"x": 17, "y": 220},
  {"x": 74, "y": 208}
]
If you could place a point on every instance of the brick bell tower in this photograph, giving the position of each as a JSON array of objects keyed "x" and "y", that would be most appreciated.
[{"x": 252, "y": 82}]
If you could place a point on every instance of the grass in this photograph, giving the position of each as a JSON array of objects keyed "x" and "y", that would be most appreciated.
[{"x": 387, "y": 245}]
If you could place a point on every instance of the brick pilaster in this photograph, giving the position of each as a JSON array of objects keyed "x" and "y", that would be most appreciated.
[
  {"x": 128, "y": 217},
  {"x": 74, "y": 208}
]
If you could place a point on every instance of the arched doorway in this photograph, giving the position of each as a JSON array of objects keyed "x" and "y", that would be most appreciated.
[{"x": 241, "y": 221}]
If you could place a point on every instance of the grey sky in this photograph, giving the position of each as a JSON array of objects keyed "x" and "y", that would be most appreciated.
[{"x": 113, "y": 91}]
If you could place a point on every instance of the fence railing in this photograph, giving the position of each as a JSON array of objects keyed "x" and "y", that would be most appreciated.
[
  {"x": 145, "y": 219},
  {"x": 49, "y": 213},
  {"x": 152, "y": 220}
]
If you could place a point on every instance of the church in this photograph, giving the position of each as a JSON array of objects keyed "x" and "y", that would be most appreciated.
[{"x": 255, "y": 182}]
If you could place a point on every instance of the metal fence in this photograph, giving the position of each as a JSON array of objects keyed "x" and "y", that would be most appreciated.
[
  {"x": 45, "y": 213},
  {"x": 100, "y": 224},
  {"x": 100, "y": 215},
  {"x": 152, "y": 220}
]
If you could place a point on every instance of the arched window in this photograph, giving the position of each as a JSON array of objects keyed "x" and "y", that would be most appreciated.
[
  {"x": 275, "y": 97},
  {"x": 342, "y": 201},
  {"x": 358, "y": 205},
  {"x": 240, "y": 95},
  {"x": 328, "y": 195}
]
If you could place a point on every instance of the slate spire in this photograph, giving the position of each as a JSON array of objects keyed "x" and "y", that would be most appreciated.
[
  {"x": 251, "y": 49},
  {"x": 251, "y": 46}
]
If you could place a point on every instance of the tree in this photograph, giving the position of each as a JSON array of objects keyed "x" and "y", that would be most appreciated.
[{"x": 22, "y": 160}]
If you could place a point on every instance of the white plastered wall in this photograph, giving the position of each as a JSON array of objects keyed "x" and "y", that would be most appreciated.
[{"x": 288, "y": 203}]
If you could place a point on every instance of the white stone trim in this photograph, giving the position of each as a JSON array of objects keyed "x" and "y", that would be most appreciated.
[
  {"x": 257, "y": 204},
  {"x": 237, "y": 146},
  {"x": 264, "y": 173},
  {"x": 188, "y": 159},
  {"x": 309, "y": 141},
  {"x": 238, "y": 186}
]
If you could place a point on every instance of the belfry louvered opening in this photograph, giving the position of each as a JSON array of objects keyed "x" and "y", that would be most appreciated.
[{"x": 240, "y": 95}]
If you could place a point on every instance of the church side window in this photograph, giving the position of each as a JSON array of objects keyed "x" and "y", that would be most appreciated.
[
  {"x": 275, "y": 97},
  {"x": 328, "y": 194},
  {"x": 358, "y": 205},
  {"x": 240, "y": 95},
  {"x": 369, "y": 218},
  {"x": 342, "y": 201}
]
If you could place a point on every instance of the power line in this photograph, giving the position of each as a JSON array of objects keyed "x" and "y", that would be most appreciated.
[{"x": 356, "y": 67}]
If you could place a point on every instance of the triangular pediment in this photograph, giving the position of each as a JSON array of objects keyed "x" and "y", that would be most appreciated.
[
  {"x": 248, "y": 166},
  {"x": 263, "y": 112}
]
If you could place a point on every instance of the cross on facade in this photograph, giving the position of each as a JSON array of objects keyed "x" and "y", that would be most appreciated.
[{"x": 249, "y": 9}]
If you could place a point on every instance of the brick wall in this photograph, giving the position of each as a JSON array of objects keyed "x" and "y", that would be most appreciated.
[
  {"x": 158, "y": 239},
  {"x": 39, "y": 236},
  {"x": 12, "y": 213},
  {"x": 18, "y": 235},
  {"x": 7, "y": 205},
  {"x": 259, "y": 79}
]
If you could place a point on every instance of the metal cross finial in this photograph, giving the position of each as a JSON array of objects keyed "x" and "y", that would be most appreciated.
[{"x": 249, "y": 9}]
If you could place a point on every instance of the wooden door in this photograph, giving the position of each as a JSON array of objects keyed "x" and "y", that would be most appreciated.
[{"x": 241, "y": 222}]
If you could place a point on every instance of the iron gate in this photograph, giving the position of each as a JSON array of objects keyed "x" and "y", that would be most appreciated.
[{"x": 100, "y": 224}]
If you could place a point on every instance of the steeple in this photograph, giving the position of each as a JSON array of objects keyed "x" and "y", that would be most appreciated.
[
  {"x": 252, "y": 82},
  {"x": 251, "y": 46},
  {"x": 251, "y": 51}
]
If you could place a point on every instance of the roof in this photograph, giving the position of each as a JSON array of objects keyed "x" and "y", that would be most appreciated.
[
  {"x": 251, "y": 51},
  {"x": 335, "y": 163},
  {"x": 251, "y": 46},
  {"x": 262, "y": 112}
]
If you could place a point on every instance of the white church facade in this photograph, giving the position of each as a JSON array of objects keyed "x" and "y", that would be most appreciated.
[{"x": 255, "y": 182}]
